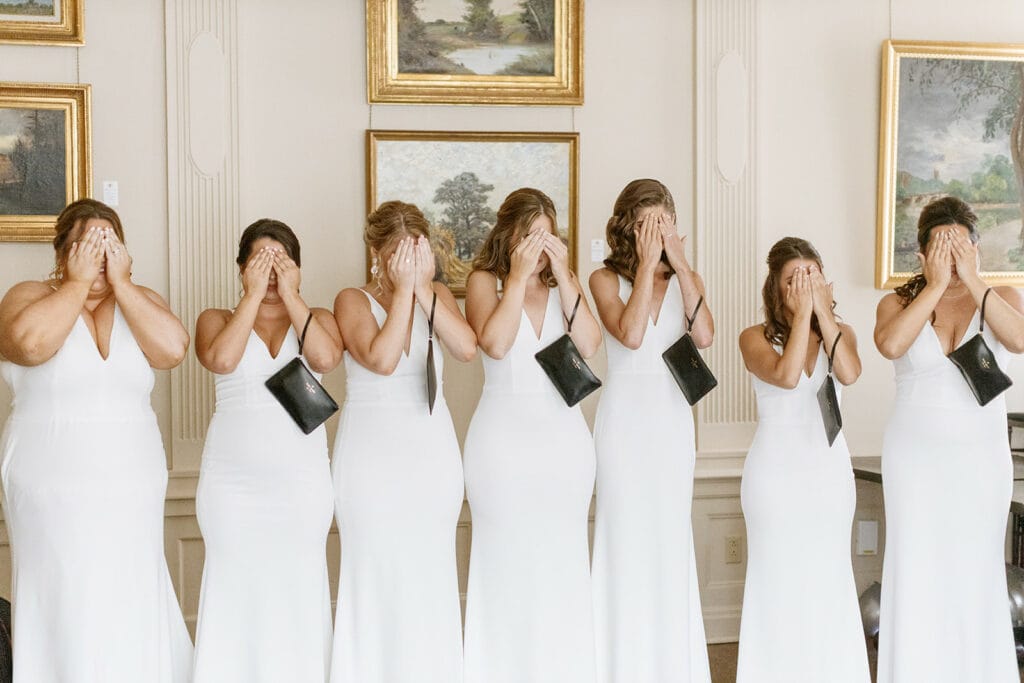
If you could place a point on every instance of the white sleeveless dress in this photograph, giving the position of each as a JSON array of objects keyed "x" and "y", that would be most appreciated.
[
  {"x": 646, "y": 600},
  {"x": 264, "y": 503},
  {"x": 529, "y": 477},
  {"x": 398, "y": 482},
  {"x": 801, "y": 619},
  {"x": 84, "y": 480},
  {"x": 947, "y": 478}
]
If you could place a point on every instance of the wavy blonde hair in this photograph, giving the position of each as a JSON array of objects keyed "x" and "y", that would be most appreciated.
[
  {"x": 519, "y": 210},
  {"x": 620, "y": 232},
  {"x": 392, "y": 221}
]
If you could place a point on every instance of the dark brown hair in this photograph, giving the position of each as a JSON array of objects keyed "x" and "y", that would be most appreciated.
[
  {"x": 939, "y": 213},
  {"x": 776, "y": 327},
  {"x": 621, "y": 229},
  {"x": 519, "y": 210},
  {"x": 68, "y": 221},
  {"x": 275, "y": 230}
]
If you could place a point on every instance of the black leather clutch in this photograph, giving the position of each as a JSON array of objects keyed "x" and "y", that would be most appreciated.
[
  {"x": 299, "y": 392},
  {"x": 978, "y": 365},
  {"x": 828, "y": 400},
  {"x": 566, "y": 368},
  {"x": 431, "y": 370},
  {"x": 688, "y": 368}
]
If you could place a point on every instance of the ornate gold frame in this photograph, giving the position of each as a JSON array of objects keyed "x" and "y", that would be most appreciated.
[
  {"x": 385, "y": 84},
  {"x": 571, "y": 221},
  {"x": 74, "y": 100},
  {"x": 70, "y": 30},
  {"x": 892, "y": 53}
]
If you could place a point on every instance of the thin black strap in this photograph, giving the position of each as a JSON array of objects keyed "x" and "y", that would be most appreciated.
[
  {"x": 573, "y": 316},
  {"x": 832, "y": 353},
  {"x": 430, "y": 322},
  {"x": 983, "y": 299},
  {"x": 302, "y": 337},
  {"x": 690, "y": 320}
]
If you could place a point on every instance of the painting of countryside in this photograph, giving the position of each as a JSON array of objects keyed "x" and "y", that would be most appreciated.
[
  {"x": 29, "y": 10},
  {"x": 961, "y": 133},
  {"x": 481, "y": 37},
  {"x": 33, "y": 161}
]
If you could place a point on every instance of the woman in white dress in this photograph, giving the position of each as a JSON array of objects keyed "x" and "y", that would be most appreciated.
[
  {"x": 529, "y": 461},
  {"x": 801, "y": 620},
  {"x": 397, "y": 471},
  {"x": 265, "y": 499},
  {"x": 946, "y": 467},
  {"x": 84, "y": 471},
  {"x": 646, "y": 600}
]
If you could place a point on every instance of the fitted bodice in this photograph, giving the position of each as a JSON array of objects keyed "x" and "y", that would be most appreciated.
[
  {"x": 519, "y": 372},
  {"x": 670, "y": 327},
  {"x": 796, "y": 406},
  {"x": 244, "y": 387},
  {"x": 77, "y": 383},
  {"x": 409, "y": 380},
  {"x": 925, "y": 376}
]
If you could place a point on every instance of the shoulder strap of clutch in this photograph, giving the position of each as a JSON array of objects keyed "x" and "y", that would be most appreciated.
[
  {"x": 983, "y": 300},
  {"x": 430, "y": 321},
  {"x": 690, "y": 319},
  {"x": 302, "y": 337},
  {"x": 572, "y": 316},
  {"x": 832, "y": 353}
]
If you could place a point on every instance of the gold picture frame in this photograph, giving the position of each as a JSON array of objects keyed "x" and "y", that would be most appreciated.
[
  {"x": 45, "y": 156},
  {"x": 432, "y": 169},
  {"x": 951, "y": 123},
  {"x": 30, "y": 22},
  {"x": 532, "y": 56}
]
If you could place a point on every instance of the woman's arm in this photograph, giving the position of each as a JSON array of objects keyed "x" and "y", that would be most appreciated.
[
  {"x": 896, "y": 326},
  {"x": 322, "y": 346},
  {"x": 761, "y": 358},
  {"x": 585, "y": 333},
  {"x": 846, "y": 361},
  {"x": 691, "y": 286},
  {"x": 1004, "y": 308},
  {"x": 449, "y": 324}
]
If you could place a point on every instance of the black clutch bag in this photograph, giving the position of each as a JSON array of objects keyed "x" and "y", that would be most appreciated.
[
  {"x": 562, "y": 362},
  {"x": 828, "y": 401},
  {"x": 688, "y": 368},
  {"x": 978, "y": 366},
  {"x": 299, "y": 392},
  {"x": 431, "y": 370}
]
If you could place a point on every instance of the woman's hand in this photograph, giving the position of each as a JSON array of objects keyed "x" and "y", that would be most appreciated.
[
  {"x": 289, "y": 276},
  {"x": 821, "y": 294},
  {"x": 965, "y": 256},
  {"x": 85, "y": 258},
  {"x": 649, "y": 243},
  {"x": 256, "y": 276},
  {"x": 118, "y": 261},
  {"x": 673, "y": 244},
  {"x": 798, "y": 294},
  {"x": 525, "y": 256},
  {"x": 558, "y": 256},
  {"x": 402, "y": 265},
  {"x": 937, "y": 262},
  {"x": 426, "y": 264}
]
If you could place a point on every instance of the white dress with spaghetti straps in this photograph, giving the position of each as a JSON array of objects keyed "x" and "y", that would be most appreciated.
[
  {"x": 264, "y": 504},
  {"x": 399, "y": 491},
  {"x": 646, "y": 599},
  {"x": 947, "y": 476},
  {"x": 529, "y": 463},
  {"x": 801, "y": 619},
  {"x": 84, "y": 480}
]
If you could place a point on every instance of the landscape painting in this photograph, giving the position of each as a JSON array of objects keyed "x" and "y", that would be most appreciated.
[
  {"x": 955, "y": 127},
  {"x": 475, "y": 51},
  {"x": 459, "y": 180}
]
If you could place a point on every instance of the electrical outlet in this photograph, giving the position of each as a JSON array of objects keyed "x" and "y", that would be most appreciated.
[{"x": 733, "y": 549}]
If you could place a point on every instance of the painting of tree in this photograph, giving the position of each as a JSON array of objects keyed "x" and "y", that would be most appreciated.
[{"x": 33, "y": 167}]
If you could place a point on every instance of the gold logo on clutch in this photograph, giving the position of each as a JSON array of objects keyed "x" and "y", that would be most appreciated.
[
  {"x": 694, "y": 363},
  {"x": 310, "y": 388},
  {"x": 575, "y": 363},
  {"x": 985, "y": 364}
]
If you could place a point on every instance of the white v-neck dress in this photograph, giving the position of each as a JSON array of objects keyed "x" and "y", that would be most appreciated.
[
  {"x": 264, "y": 505},
  {"x": 529, "y": 463},
  {"x": 947, "y": 477},
  {"x": 801, "y": 619},
  {"x": 646, "y": 597},
  {"x": 398, "y": 483},
  {"x": 84, "y": 480}
]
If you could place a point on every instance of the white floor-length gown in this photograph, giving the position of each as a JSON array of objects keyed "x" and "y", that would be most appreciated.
[
  {"x": 646, "y": 600},
  {"x": 801, "y": 619},
  {"x": 264, "y": 504},
  {"x": 529, "y": 477},
  {"x": 84, "y": 480},
  {"x": 398, "y": 482},
  {"x": 947, "y": 477}
]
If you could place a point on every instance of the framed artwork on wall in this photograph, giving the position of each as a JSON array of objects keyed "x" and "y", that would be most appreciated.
[
  {"x": 460, "y": 179},
  {"x": 952, "y": 123},
  {"x": 42, "y": 22},
  {"x": 475, "y": 51},
  {"x": 45, "y": 156}
]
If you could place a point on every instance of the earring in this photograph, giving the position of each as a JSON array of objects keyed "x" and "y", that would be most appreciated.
[{"x": 373, "y": 267}]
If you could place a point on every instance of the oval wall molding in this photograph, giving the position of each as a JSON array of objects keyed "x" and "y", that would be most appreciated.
[
  {"x": 207, "y": 104},
  {"x": 732, "y": 117}
]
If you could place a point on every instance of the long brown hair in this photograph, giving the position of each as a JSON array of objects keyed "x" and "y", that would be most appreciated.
[
  {"x": 776, "y": 327},
  {"x": 392, "y": 221},
  {"x": 275, "y": 230},
  {"x": 944, "y": 211},
  {"x": 519, "y": 210},
  {"x": 620, "y": 232},
  {"x": 68, "y": 221}
]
